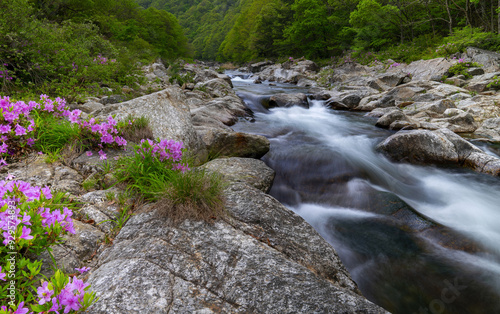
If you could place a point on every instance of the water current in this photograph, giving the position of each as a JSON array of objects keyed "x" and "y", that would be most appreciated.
[{"x": 416, "y": 239}]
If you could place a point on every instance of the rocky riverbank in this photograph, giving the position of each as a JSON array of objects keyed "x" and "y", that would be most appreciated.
[
  {"x": 407, "y": 97},
  {"x": 263, "y": 257}
]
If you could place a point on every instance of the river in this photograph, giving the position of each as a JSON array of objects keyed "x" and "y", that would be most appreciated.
[{"x": 416, "y": 239}]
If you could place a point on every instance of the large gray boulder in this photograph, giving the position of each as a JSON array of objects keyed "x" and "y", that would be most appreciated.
[
  {"x": 427, "y": 69},
  {"x": 227, "y": 143},
  {"x": 216, "y": 87},
  {"x": 288, "y": 100},
  {"x": 251, "y": 171},
  {"x": 390, "y": 117},
  {"x": 259, "y": 66},
  {"x": 74, "y": 250},
  {"x": 490, "y": 129},
  {"x": 168, "y": 114},
  {"x": 225, "y": 110},
  {"x": 438, "y": 147},
  {"x": 262, "y": 259},
  {"x": 488, "y": 59}
]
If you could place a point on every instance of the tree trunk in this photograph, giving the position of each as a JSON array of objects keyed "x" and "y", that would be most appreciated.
[{"x": 450, "y": 19}]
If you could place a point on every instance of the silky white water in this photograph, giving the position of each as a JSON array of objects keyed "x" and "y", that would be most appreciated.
[{"x": 329, "y": 172}]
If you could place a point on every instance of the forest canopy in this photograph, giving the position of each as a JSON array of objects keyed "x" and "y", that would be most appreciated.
[
  {"x": 70, "y": 46},
  {"x": 75, "y": 46},
  {"x": 243, "y": 30}
]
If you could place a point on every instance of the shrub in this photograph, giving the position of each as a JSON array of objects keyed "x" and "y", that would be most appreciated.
[
  {"x": 495, "y": 83},
  {"x": 157, "y": 172},
  {"x": 54, "y": 127},
  {"x": 461, "y": 67},
  {"x": 33, "y": 220}
]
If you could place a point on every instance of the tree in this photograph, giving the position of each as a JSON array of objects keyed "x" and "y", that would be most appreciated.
[
  {"x": 310, "y": 32},
  {"x": 375, "y": 24}
]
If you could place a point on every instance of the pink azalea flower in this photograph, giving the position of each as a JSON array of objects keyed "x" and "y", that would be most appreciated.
[
  {"x": 55, "y": 307},
  {"x": 4, "y": 128},
  {"x": 47, "y": 193},
  {"x": 20, "y": 130},
  {"x": 89, "y": 153},
  {"x": 2, "y": 275},
  {"x": 3, "y": 148},
  {"x": 26, "y": 233},
  {"x": 44, "y": 293},
  {"x": 21, "y": 309},
  {"x": 102, "y": 155},
  {"x": 81, "y": 270}
]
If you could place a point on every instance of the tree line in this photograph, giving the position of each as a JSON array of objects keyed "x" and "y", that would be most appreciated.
[
  {"x": 242, "y": 30},
  {"x": 69, "y": 47}
]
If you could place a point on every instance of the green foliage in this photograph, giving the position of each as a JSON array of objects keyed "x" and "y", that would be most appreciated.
[
  {"x": 74, "y": 48},
  {"x": 495, "y": 83},
  {"x": 470, "y": 37},
  {"x": 135, "y": 129},
  {"x": 181, "y": 194},
  {"x": 52, "y": 133},
  {"x": 461, "y": 67},
  {"x": 374, "y": 24}
]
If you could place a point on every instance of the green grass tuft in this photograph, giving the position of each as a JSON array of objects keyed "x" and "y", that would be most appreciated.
[{"x": 53, "y": 134}]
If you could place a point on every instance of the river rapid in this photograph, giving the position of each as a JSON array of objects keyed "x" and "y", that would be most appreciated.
[{"x": 416, "y": 239}]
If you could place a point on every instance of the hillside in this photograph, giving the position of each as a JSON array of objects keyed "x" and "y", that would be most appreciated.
[{"x": 251, "y": 29}]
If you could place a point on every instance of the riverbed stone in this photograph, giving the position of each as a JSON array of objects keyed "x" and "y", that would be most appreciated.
[
  {"x": 438, "y": 147},
  {"x": 201, "y": 267},
  {"x": 226, "y": 110},
  {"x": 168, "y": 114},
  {"x": 288, "y": 100},
  {"x": 490, "y": 129},
  {"x": 227, "y": 143},
  {"x": 394, "y": 115},
  {"x": 250, "y": 171}
]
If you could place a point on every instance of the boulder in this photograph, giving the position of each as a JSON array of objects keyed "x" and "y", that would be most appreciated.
[
  {"x": 393, "y": 78},
  {"x": 74, "y": 251},
  {"x": 462, "y": 123},
  {"x": 490, "y": 129},
  {"x": 224, "y": 109},
  {"x": 488, "y": 59},
  {"x": 113, "y": 99},
  {"x": 438, "y": 107},
  {"x": 288, "y": 100},
  {"x": 475, "y": 71},
  {"x": 98, "y": 210},
  {"x": 305, "y": 82},
  {"x": 336, "y": 104},
  {"x": 438, "y": 147},
  {"x": 305, "y": 66},
  {"x": 481, "y": 107},
  {"x": 250, "y": 171},
  {"x": 216, "y": 87},
  {"x": 223, "y": 143},
  {"x": 427, "y": 69},
  {"x": 168, "y": 114},
  {"x": 36, "y": 171},
  {"x": 394, "y": 115},
  {"x": 91, "y": 106},
  {"x": 259, "y": 66},
  {"x": 202, "y": 75},
  {"x": 245, "y": 264}
]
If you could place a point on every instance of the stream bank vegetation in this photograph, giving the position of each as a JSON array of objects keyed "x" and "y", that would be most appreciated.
[{"x": 32, "y": 219}]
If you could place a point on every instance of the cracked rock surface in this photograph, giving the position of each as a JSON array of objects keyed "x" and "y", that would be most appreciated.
[{"x": 249, "y": 262}]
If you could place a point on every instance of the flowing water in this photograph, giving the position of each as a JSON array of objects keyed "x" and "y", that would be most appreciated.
[{"x": 416, "y": 239}]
